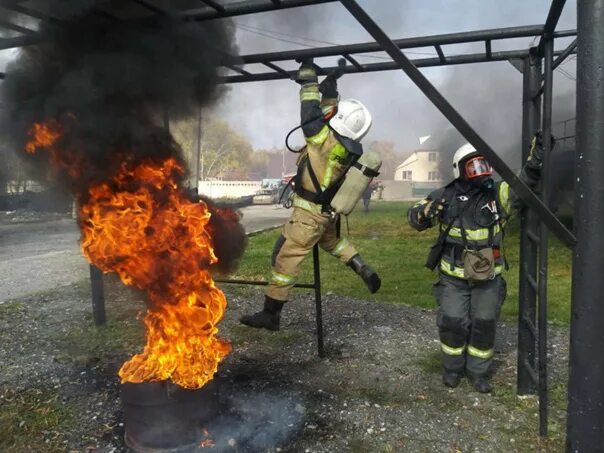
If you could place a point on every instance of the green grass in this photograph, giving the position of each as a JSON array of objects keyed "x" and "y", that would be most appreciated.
[{"x": 398, "y": 253}]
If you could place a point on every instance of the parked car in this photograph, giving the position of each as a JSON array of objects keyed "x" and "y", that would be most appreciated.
[{"x": 266, "y": 196}]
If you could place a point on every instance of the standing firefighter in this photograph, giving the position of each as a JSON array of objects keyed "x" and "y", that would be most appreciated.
[
  {"x": 471, "y": 212},
  {"x": 332, "y": 131}
]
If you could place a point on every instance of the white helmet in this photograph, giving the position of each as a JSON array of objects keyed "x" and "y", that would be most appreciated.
[
  {"x": 352, "y": 119},
  {"x": 460, "y": 155}
]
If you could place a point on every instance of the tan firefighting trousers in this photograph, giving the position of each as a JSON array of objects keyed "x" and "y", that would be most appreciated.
[{"x": 300, "y": 233}]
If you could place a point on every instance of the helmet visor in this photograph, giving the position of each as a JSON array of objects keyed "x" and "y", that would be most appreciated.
[{"x": 476, "y": 167}]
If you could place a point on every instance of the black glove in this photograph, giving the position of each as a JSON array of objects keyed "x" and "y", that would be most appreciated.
[
  {"x": 329, "y": 87},
  {"x": 535, "y": 157},
  {"x": 435, "y": 208},
  {"x": 306, "y": 74}
]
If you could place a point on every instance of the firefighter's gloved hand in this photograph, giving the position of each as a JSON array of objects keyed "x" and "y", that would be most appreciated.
[
  {"x": 329, "y": 88},
  {"x": 535, "y": 157},
  {"x": 306, "y": 74},
  {"x": 435, "y": 209}
]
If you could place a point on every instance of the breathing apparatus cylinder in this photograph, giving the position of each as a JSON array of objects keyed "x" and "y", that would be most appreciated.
[{"x": 357, "y": 179}]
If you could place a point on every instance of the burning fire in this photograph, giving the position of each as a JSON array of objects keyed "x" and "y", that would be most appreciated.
[{"x": 142, "y": 226}]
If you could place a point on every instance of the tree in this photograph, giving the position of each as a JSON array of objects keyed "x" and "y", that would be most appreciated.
[
  {"x": 390, "y": 157},
  {"x": 259, "y": 163},
  {"x": 223, "y": 152}
]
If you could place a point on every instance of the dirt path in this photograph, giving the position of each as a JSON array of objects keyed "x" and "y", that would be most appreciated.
[{"x": 377, "y": 391}]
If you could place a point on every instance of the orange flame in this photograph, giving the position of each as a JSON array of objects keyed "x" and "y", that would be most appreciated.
[
  {"x": 42, "y": 136},
  {"x": 141, "y": 226}
]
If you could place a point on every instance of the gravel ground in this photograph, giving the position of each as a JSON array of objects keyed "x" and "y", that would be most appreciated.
[{"x": 378, "y": 389}]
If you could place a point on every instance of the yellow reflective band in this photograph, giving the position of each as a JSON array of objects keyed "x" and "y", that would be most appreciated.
[
  {"x": 452, "y": 351},
  {"x": 451, "y": 270},
  {"x": 327, "y": 107},
  {"x": 319, "y": 139},
  {"x": 480, "y": 353},
  {"x": 419, "y": 204},
  {"x": 282, "y": 279},
  {"x": 458, "y": 272},
  {"x": 310, "y": 96},
  {"x": 338, "y": 152},
  {"x": 481, "y": 234},
  {"x": 328, "y": 174},
  {"x": 306, "y": 205},
  {"x": 340, "y": 246},
  {"x": 504, "y": 196}
]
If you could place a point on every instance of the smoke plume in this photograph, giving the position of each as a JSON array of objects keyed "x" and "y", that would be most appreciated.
[{"x": 107, "y": 86}]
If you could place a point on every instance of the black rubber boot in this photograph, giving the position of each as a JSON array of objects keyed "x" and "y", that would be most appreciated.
[
  {"x": 369, "y": 276},
  {"x": 268, "y": 318},
  {"x": 451, "y": 378},
  {"x": 481, "y": 383}
]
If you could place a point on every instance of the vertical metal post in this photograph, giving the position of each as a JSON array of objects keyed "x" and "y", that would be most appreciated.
[
  {"x": 585, "y": 429},
  {"x": 529, "y": 224},
  {"x": 548, "y": 60},
  {"x": 318, "y": 304},
  {"x": 98, "y": 296}
]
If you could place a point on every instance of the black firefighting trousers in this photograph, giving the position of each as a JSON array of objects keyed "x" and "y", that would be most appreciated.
[{"x": 467, "y": 319}]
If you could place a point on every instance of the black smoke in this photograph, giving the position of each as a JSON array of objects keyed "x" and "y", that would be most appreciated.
[{"x": 109, "y": 84}]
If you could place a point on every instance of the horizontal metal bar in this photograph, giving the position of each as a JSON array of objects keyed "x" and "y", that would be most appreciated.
[
  {"x": 565, "y": 33},
  {"x": 405, "y": 43},
  {"x": 14, "y": 5},
  {"x": 212, "y": 4},
  {"x": 354, "y": 62},
  {"x": 531, "y": 371},
  {"x": 150, "y": 6},
  {"x": 247, "y": 7},
  {"x": 389, "y": 66},
  {"x": 259, "y": 283},
  {"x": 566, "y": 137},
  {"x": 532, "y": 282},
  {"x": 20, "y": 41},
  {"x": 441, "y": 103},
  {"x": 239, "y": 70},
  {"x": 14, "y": 27},
  {"x": 441, "y": 54},
  {"x": 276, "y": 68},
  {"x": 571, "y": 47}
]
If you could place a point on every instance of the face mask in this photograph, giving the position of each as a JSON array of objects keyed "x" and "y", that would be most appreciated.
[
  {"x": 482, "y": 182},
  {"x": 477, "y": 168}
]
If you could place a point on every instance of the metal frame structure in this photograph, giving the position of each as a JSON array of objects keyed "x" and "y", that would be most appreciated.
[{"x": 586, "y": 395}]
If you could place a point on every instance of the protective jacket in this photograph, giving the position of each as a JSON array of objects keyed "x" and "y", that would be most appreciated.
[
  {"x": 324, "y": 152},
  {"x": 308, "y": 225},
  {"x": 474, "y": 218}
]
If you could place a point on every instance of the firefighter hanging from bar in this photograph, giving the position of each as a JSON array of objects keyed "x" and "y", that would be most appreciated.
[{"x": 332, "y": 174}]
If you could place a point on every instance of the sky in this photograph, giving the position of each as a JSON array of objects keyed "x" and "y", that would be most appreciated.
[{"x": 487, "y": 94}]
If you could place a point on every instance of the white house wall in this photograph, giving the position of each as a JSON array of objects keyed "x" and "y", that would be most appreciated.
[{"x": 420, "y": 166}]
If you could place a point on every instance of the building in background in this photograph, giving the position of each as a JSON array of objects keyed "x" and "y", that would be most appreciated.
[{"x": 421, "y": 170}]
